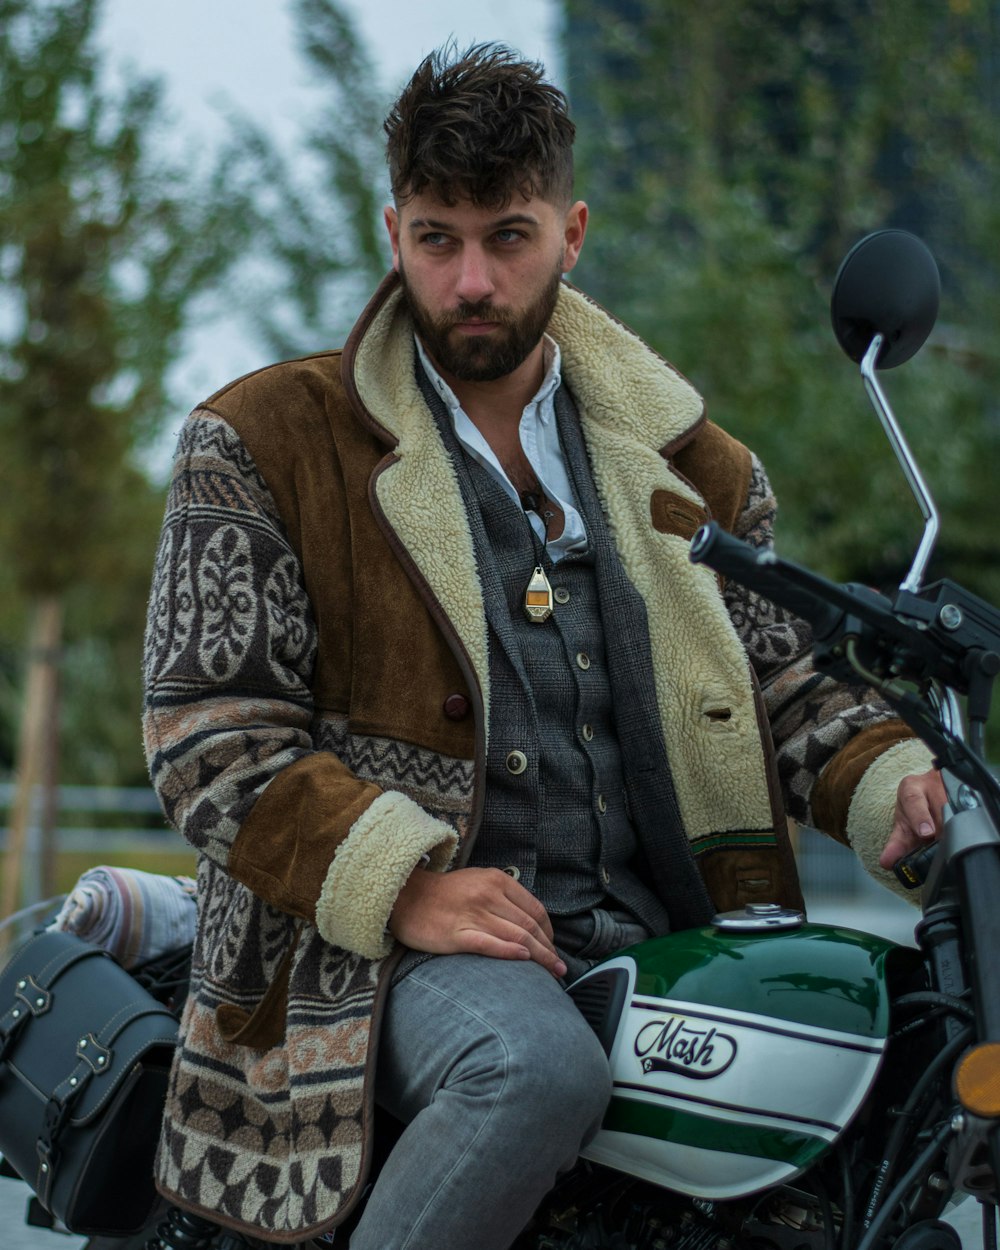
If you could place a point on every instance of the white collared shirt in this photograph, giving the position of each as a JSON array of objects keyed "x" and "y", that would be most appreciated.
[{"x": 539, "y": 436}]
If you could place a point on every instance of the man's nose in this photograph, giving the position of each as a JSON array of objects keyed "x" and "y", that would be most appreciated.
[{"x": 475, "y": 276}]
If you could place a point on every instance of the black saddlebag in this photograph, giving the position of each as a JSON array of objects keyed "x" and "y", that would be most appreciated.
[{"x": 85, "y": 1055}]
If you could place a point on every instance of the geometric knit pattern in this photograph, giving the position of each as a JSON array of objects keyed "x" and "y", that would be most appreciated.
[
  {"x": 268, "y": 1137},
  {"x": 438, "y": 783}
]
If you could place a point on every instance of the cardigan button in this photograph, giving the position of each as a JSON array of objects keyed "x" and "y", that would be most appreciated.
[
  {"x": 512, "y": 870},
  {"x": 517, "y": 762},
  {"x": 456, "y": 707}
]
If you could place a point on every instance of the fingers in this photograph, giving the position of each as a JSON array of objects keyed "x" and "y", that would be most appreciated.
[
  {"x": 510, "y": 941},
  {"x": 900, "y": 843},
  {"x": 476, "y": 910},
  {"x": 917, "y": 818},
  {"x": 521, "y": 907},
  {"x": 919, "y": 802},
  {"x": 516, "y": 918}
]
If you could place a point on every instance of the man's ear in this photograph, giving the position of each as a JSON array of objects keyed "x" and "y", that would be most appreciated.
[
  {"x": 391, "y": 218},
  {"x": 574, "y": 233}
]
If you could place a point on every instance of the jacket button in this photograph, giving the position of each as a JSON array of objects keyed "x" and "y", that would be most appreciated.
[
  {"x": 605, "y": 876},
  {"x": 512, "y": 870},
  {"x": 583, "y": 660},
  {"x": 561, "y": 594},
  {"x": 517, "y": 762},
  {"x": 588, "y": 732},
  {"x": 602, "y": 804},
  {"x": 456, "y": 707}
]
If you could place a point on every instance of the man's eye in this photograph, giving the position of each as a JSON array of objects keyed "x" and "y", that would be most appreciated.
[
  {"x": 434, "y": 238},
  {"x": 509, "y": 236}
]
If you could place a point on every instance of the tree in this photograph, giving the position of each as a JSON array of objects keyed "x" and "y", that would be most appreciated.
[
  {"x": 324, "y": 248},
  {"x": 731, "y": 154},
  {"x": 102, "y": 252}
]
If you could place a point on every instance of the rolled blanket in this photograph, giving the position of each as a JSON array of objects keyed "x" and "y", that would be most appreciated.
[{"x": 135, "y": 916}]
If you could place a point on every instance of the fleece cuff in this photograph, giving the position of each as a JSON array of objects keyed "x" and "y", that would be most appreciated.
[
  {"x": 370, "y": 868},
  {"x": 869, "y": 820}
]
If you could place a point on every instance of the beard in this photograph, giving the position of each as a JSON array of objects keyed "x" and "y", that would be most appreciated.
[{"x": 482, "y": 358}]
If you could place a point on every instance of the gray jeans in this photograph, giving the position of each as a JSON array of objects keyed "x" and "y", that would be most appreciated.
[{"x": 499, "y": 1081}]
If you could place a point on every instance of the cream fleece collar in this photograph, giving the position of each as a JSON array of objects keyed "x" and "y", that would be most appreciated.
[{"x": 616, "y": 380}]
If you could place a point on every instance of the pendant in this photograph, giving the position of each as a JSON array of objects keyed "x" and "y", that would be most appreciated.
[{"x": 538, "y": 597}]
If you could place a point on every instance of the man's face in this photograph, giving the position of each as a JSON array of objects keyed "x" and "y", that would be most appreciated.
[{"x": 481, "y": 284}]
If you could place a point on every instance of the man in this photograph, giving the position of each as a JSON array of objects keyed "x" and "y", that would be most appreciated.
[{"x": 437, "y": 695}]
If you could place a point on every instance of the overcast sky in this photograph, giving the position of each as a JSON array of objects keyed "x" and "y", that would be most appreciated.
[
  {"x": 214, "y": 54},
  {"x": 243, "y": 50}
]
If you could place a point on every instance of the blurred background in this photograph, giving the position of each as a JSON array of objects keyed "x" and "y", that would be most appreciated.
[{"x": 191, "y": 190}]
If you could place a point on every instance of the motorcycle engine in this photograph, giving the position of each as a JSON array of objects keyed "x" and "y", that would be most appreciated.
[{"x": 597, "y": 1209}]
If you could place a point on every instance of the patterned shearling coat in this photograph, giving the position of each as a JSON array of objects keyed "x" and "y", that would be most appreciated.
[{"x": 317, "y": 705}]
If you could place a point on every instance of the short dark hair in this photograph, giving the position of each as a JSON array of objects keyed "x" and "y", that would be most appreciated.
[{"x": 480, "y": 126}]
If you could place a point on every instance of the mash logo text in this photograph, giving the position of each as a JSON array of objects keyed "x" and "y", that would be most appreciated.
[{"x": 678, "y": 1045}]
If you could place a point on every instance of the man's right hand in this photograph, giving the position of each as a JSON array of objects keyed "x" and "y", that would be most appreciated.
[{"x": 476, "y": 911}]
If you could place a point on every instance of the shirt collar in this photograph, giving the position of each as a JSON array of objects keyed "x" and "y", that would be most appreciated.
[{"x": 552, "y": 359}]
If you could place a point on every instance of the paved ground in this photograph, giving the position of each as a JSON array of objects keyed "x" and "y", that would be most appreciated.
[{"x": 16, "y": 1235}]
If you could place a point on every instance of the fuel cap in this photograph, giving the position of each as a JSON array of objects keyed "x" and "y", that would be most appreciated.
[{"x": 756, "y": 917}]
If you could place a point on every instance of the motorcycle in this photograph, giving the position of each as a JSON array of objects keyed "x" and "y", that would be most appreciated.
[{"x": 783, "y": 1085}]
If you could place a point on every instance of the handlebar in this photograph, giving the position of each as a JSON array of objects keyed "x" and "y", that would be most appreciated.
[
  {"x": 762, "y": 571},
  {"x": 858, "y": 632},
  {"x": 829, "y": 607}
]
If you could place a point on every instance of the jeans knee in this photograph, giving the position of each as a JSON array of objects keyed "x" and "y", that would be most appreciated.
[{"x": 564, "y": 1088}]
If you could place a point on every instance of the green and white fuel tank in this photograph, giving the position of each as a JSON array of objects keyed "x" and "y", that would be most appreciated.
[{"x": 739, "y": 1052}]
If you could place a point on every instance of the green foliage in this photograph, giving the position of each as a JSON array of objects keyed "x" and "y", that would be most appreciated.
[
  {"x": 731, "y": 155},
  {"x": 102, "y": 254},
  {"x": 323, "y": 244},
  {"x": 103, "y": 249},
  {"x": 102, "y": 653}
]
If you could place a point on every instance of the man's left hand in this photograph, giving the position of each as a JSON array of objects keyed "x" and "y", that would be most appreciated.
[{"x": 917, "y": 819}]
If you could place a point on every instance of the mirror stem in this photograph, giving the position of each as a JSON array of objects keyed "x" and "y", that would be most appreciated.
[{"x": 914, "y": 579}]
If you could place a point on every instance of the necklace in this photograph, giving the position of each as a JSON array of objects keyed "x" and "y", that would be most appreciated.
[{"x": 538, "y": 592}]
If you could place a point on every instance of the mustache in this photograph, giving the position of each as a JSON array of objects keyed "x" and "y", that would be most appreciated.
[{"x": 483, "y": 310}]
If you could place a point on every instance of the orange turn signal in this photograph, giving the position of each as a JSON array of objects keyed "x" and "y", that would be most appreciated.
[{"x": 977, "y": 1080}]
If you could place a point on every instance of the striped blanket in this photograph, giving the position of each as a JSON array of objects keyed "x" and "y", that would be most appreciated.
[{"x": 135, "y": 916}]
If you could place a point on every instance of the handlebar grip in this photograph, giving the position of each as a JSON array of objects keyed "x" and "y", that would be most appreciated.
[
  {"x": 912, "y": 870},
  {"x": 762, "y": 571}
]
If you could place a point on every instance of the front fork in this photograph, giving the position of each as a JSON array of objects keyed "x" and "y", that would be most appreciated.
[{"x": 960, "y": 934}]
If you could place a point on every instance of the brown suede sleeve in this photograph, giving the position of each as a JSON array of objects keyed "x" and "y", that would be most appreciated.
[
  {"x": 284, "y": 847},
  {"x": 831, "y": 800}
]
